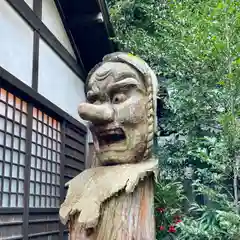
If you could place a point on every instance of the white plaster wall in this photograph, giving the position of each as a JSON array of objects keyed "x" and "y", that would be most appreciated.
[
  {"x": 29, "y": 3},
  {"x": 58, "y": 83},
  {"x": 90, "y": 138},
  {"x": 52, "y": 19},
  {"x": 16, "y": 44}
]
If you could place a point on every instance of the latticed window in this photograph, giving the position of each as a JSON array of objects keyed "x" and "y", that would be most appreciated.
[
  {"x": 39, "y": 153},
  {"x": 45, "y": 161},
  {"x": 13, "y": 125}
]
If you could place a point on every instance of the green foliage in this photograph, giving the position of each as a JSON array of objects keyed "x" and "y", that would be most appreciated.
[{"x": 195, "y": 46}]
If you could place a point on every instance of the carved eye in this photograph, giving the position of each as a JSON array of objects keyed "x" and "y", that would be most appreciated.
[{"x": 118, "y": 98}]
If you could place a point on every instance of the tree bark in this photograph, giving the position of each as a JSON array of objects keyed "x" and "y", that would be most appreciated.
[{"x": 124, "y": 217}]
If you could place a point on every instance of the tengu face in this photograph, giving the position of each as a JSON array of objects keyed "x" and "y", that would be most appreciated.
[{"x": 117, "y": 111}]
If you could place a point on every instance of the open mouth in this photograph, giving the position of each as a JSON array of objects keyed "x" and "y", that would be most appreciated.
[{"x": 111, "y": 136}]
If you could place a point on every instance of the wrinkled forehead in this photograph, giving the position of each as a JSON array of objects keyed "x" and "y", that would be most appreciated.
[{"x": 110, "y": 72}]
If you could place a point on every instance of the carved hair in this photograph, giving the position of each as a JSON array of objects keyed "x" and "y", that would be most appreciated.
[{"x": 151, "y": 83}]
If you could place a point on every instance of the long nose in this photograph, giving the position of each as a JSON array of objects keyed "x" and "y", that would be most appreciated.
[{"x": 97, "y": 114}]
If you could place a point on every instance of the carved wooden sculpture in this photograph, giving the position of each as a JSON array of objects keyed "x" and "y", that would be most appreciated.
[{"x": 113, "y": 199}]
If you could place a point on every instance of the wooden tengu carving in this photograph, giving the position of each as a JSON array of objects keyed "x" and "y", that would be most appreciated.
[{"x": 113, "y": 199}]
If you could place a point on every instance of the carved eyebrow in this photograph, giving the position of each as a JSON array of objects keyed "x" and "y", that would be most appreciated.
[{"x": 124, "y": 83}]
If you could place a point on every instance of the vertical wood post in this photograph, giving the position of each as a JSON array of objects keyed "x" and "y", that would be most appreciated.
[{"x": 127, "y": 216}]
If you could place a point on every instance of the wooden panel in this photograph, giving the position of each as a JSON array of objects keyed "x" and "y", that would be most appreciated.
[
  {"x": 75, "y": 164},
  {"x": 71, "y": 172},
  {"x": 11, "y": 226},
  {"x": 44, "y": 225},
  {"x": 74, "y": 156},
  {"x": 45, "y": 236},
  {"x": 74, "y": 150},
  {"x": 78, "y": 136},
  {"x": 71, "y": 143}
]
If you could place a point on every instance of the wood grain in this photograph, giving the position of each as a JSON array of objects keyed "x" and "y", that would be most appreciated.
[{"x": 125, "y": 217}]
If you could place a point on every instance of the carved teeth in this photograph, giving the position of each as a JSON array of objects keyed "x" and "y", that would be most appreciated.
[
  {"x": 109, "y": 136},
  {"x": 111, "y": 131}
]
